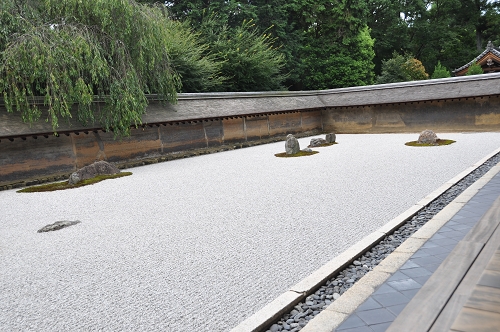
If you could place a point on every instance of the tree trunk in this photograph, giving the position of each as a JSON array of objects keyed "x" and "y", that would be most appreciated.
[{"x": 479, "y": 41}]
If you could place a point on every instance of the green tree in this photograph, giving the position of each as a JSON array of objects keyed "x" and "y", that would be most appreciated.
[
  {"x": 324, "y": 44},
  {"x": 442, "y": 33},
  {"x": 414, "y": 69},
  {"x": 401, "y": 69},
  {"x": 284, "y": 20},
  {"x": 440, "y": 71},
  {"x": 70, "y": 51},
  {"x": 330, "y": 65},
  {"x": 338, "y": 50},
  {"x": 475, "y": 69},
  {"x": 391, "y": 23},
  {"x": 250, "y": 62},
  {"x": 198, "y": 69},
  {"x": 450, "y": 31},
  {"x": 225, "y": 13}
]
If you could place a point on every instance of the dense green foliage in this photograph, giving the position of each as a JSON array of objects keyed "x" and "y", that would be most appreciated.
[
  {"x": 440, "y": 71},
  {"x": 72, "y": 52},
  {"x": 450, "y": 31},
  {"x": 323, "y": 44},
  {"x": 249, "y": 60},
  {"x": 474, "y": 69},
  {"x": 339, "y": 50},
  {"x": 332, "y": 65},
  {"x": 402, "y": 68}
]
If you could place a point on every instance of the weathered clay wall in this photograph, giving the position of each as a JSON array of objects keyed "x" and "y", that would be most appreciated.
[
  {"x": 24, "y": 159},
  {"x": 454, "y": 115}
]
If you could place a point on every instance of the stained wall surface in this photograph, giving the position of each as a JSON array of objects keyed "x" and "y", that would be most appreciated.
[
  {"x": 23, "y": 159},
  {"x": 475, "y": 114}
]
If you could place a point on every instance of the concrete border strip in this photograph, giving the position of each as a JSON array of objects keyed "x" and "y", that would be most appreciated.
[{"x": 338, "y": 311}]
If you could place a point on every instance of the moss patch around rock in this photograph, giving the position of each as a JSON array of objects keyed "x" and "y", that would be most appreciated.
[
  {"x": 439, "y": 142},
  {"x": 298, "y": 154},
  {"x": 64, "y": 185}
]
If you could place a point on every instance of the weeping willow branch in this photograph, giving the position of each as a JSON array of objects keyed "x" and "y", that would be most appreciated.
[{"x": 116, "y": 50}]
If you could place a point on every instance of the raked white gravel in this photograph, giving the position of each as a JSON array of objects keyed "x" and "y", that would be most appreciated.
[{"x": 199, "y": 244}]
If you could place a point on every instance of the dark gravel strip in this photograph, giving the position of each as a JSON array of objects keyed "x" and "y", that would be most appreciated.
[{"x": 303, "y": 312}]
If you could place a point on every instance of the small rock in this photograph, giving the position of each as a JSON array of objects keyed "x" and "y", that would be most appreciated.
[
  {"x": 336, "y": 296},
  {"x": 427, "y": 137},
  {"x": 330, "y": 138},
  {"x": 88, "y": 172},
  {"x": 291, "y": 145},
  {"x": 276, "y": 328},
  {"x": 58, "y": 225},
  {"x": 316, "y": 142}
]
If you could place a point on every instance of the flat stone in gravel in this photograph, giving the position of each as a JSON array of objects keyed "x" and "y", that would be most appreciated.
[{"x": 58, "y": 225}]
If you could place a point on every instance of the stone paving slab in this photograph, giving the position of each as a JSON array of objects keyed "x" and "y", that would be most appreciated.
[{"x": 384, "y": 305}]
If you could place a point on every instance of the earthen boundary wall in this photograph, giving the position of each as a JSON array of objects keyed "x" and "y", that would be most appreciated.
[{"x": 206, "y": 123}]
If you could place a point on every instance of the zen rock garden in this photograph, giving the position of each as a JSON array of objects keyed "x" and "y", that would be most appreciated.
[
  {"x": 91, "y": 171},
  {"x": 429, "y": 138},
  {"x": 292, "y": 146},
  {"x": 318, "y": 142},
  {"x": 91, "y": 174}
]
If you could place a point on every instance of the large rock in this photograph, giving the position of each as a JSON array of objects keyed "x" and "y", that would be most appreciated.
[
  {"x": 88, "y": 172},
  {"x": 427, "y": 137},
  {"x": 317, "y": 142},
  {"x": 291, "y": 145},
  {"x": 58, "y": 225},
  {"x": 330, "y": 138}
]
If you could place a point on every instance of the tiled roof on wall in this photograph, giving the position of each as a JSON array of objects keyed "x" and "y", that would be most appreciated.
[{"x": 490, "y": 48}]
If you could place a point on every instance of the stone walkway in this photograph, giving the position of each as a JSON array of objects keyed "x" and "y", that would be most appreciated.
[{"x": 421, "y": 284}]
